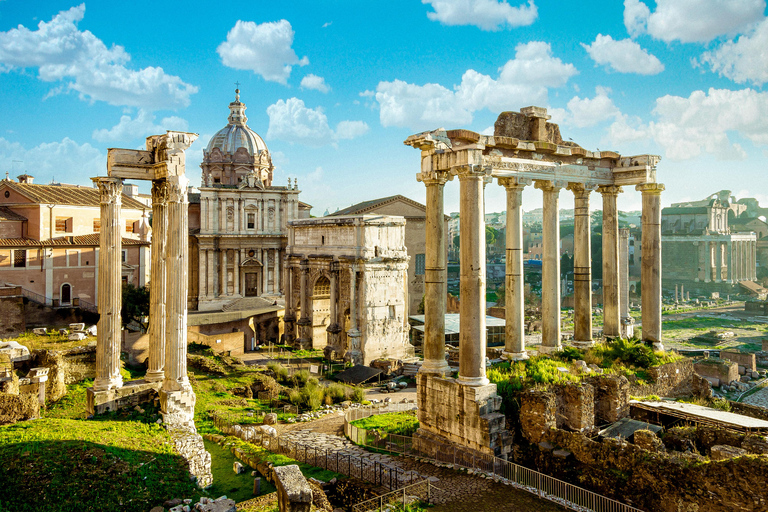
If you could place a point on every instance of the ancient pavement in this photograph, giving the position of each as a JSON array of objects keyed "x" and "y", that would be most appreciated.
[{"x": 458, "y": 492}]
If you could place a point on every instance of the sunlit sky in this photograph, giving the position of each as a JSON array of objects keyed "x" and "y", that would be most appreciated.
[{"x": 335, "y": 87}]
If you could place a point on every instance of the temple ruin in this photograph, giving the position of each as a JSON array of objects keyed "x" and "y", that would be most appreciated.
[{"x": 525, "y": 149}]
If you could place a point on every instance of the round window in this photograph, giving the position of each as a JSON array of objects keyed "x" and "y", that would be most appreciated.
[
  {"x": 7, "y": 194},
  {"x": 251, "y": 253}
]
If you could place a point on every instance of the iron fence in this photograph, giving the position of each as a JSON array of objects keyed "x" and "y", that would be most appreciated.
[{"x": 399, "y": 499}]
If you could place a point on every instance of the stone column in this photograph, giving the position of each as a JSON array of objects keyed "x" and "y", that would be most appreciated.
[
  {"x": 472, "y": 331},
  {"x": 210, "y": 290},
  {"x": 290, "y": 305},
  {"x": 305, "y": 322},
  {"x": 651, "y": 263},
  {"x": 155, "y": 372},
  {"x": 729, "y": 257},
  {"x": 435, "y": 276},
  {"x": 753, "y": 259},
  {"x": 611, "y": 315},
  {"x": 582, "y": 267},
  {"x": 354, "y": 352},
  {"x": 108, "y": 340},
  {"x": 718, "y": 262},
  {"x": 236, "y": 271},
  {"x": 550, "y": 271},
  {"x": 334, "y": 328},
  {"x": 514, "y": 295},
  {"x": 278, "y": 262},
  {"x": 627, "y": 328},
  {"x": 707, "y": 261},
  {"x": 202, "y": 274}
]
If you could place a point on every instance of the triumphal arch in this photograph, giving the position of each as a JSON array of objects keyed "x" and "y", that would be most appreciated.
[{"x": 525, "y": 150}]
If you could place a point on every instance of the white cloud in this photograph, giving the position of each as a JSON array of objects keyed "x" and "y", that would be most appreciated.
[
  {"x": 589, "y": 112},
  {"x": 627, "y": 129},
  {"x": 139, "y": 127},
  {"x": 290, "y": 120},
  {"x": 65, "y": 161},
  {"x": 264, "y": 49},
  {"x": 742, "y": 60},
  {"x": 314, "y": 82},
  {"x": 61, "y": 52},
  {"x": 691, "y": 21},
  {"x": 624, "y": 56},
  {"x": 485, "y": 14},
  {"x": 523, "y": 80}
]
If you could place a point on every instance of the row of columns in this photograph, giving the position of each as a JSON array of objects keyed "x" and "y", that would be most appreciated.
[
  {"x": 731, "y": 261},
  {"x": 211, "y": 285},
  {"x": 472, "y": 337},
  {"x": 168, "y": 293},
  {"x": 216, "y": 218}
]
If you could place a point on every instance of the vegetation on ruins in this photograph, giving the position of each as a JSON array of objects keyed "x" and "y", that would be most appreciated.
[{"x": 402, "y": 423}]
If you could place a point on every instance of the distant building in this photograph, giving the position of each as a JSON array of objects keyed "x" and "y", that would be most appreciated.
[{"x": 49, "y": 241}]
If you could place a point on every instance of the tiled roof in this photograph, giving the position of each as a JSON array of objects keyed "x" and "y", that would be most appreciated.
[
  {"x": 7, "y": 214},
  {"x": 63, "y": 241},
  {"x": 66, "y": 194},
  {"x": 366, "y": 206}
]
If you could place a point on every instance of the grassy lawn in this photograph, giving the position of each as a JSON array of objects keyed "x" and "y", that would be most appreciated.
[
  {"x": 51, "y": 342},
  {"x": 402, "y": 423},
  {"x": 226, "y": 482}
]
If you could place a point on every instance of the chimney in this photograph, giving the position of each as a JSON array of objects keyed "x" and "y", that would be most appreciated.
[{"x": 25, "y": 178}]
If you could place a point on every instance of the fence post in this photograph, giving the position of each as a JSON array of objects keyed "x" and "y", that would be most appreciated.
[{"x": 381, "y": 503}]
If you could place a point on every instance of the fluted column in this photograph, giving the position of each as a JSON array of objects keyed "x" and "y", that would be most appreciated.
[
  {"x": 753, "y": 259},
  {"x": 707, "y": 262},
  {"x": 202, "y": 274},
  {"x": 177, "y": 253},
  {"x": 514, "y": 295},
  {"x": 155, "y": 372},
  {"x": 278, "y": 261},
  {"x": 236, "y": 272},
  {"x": 472, "y": 331},
  {"x": 354, "y": 352},
  {"x": 223, "y": 281},
  {"x": 582, "y": 267},
  {"x": 334, "y": 328},
  {"x": 305, "y": 322},
  {"x": 435, "y": 276},
  {"x": 718, "y": 262},
  {"x": 108, "y": 340},
  {"x": 290, "y": 305},
  {"x": 651, "y": 263},
  {"x": 210, "y": 289},
  {"x": 611, "y": 314},
  {"x": 730, "y": 260},
  {"x": 550, "y": 267}
]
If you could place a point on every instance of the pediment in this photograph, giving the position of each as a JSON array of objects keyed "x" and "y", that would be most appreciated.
[{"x": 251, "y": 262}]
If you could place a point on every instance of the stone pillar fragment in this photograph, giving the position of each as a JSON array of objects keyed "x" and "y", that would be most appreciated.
[
  {"x": 157, "y": 296},
  {"x": 651, "y": 263},
  {"x": 582, "y": 267},
  {"x": 514, "y": 344},
  {"x": 611, "y": 315},
  {"x": 435, "y": 275},
  {"x": 472, "y": 330},
  {"x": 550, "y": 271},
  {"x": 108, "y": 340}
]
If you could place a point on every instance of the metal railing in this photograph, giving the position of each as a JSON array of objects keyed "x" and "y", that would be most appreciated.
[
  {"x": 545, "y": 486},
  {"x": 87, "y": 306},
  {"x": 399, "y": 499},
  {"x": 35, "y": 297}
]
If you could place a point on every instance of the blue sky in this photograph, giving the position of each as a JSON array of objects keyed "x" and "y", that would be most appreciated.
[{"x": 335, "y": 87}]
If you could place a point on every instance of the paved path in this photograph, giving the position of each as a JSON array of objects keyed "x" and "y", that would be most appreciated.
[
  {"x": 758, "y": 398},
  {"x": 455, "y": 491}
]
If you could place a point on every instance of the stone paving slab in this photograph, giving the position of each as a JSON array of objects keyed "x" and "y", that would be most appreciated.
[{"x": 758, "y": 398}]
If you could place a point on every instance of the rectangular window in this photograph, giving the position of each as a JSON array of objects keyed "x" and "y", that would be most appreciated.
[
  {"x": 20, "y": 258},
  {"x": 419, "y": 263},
  {"x": 129, "y": 226},
  {"x": 251, "y": 220},
  {"x": 63, "y": 224},
  {"x": 125, "y": 255},
  {"x": 96, "y": 225}
]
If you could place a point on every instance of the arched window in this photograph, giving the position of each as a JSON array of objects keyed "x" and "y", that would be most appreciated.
[
  {"x": 322, "y": 287},
  {"x": 66, "y": 294}
]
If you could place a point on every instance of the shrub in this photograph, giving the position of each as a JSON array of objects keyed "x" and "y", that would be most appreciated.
[
  {"x": 336, "y": 392},
  {"x": 358, "y": 394},
  {"x": 721, "y": 404},
  {"x": 294, "y": 396},
  {"x": 569, "y": 354},
  {"x": 280, "y": 371},
  {"x": 312, "y": 396},
  {"x": 300, "y": 378}
]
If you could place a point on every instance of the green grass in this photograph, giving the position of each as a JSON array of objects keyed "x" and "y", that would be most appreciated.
[
  {"x": 63, "y": 464},
  {"x": 402, "y": 423},
  {"x": 226, "y": 481},
  {"x": 54, "y": 341}
]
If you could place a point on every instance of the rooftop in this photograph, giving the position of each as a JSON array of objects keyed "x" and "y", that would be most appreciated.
[{"x": 74, "y": 195}]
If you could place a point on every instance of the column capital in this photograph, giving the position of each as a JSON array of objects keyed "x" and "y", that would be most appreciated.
[
  {"x": 177, "y": 189},
  {"x": 610, "y": 190},
  {"x": 650, "y": 188},
  {"x": 549, "y": 185},
  {"x": 581, "y": 188},
  {"x": 514, "y": 183},
  {"x": 159, "y": 191},
  {"x": 434, "y": 177},
  {"x": 471, "y": 171},
  {"x": 110, "y": 189}
]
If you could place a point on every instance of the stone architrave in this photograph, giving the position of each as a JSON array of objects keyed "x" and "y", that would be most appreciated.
[
  {"x": 582, "y": 266},
  {"x": 435, "y": 275},
  {"x": 157, "y": 298},
  {"x": 611, "y": 279},
  {"x": 650, "y": 271},
  {"x": 472, "y": 331},
  {"x": 108, "y": 340},
  {"x": 514, "y": 344},
  {"x": 550, "y": 271}
]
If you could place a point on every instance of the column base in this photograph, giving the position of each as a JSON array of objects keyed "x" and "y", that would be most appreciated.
[
  {"x": 128, "y": 396},
  {"x": 547, "y": 349},
  {"x": 657, "y": 346},
  {"x": 108, "y": 384},
  {"x": 473, "y": 381},
  {"x": 515, "y": 356},
  {"x": 583, "y": 344},
  {"x": 178, "y": 407},
  {"x": 155, "y": 376},
  {"x": 436, "y": 367}
]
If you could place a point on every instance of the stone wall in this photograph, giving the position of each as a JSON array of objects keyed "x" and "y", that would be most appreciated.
[
  {"x": 37, "y": 315},
  {"x": 673, "y": 380},
  {"x": 21, "y": 407},
  {"x": 611, "y": 398},
  {"x": 718, "y": 370},
  {"x": 65, "y": 367},
  {"x": 189, "y": 444},
  {"x": 12, "y": 313},
  {"x": 232, "y": 342},
  {"x": 740, "y": 358}
]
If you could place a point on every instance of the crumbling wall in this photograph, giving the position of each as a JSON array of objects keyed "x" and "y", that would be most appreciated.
[
  {"x": 611, "y": 398},
  {"x": 674, "y": 380},
  {"x": 742, "y": 359},
  {"x": 65, "y": 367},
  {"x": 576, "y": 407},
  {"x": 15, "y": 408},
  {"x": 12, "y": 313},
  {"x": 538, "y": 413},
  {"x": 519, "y": 126},
  {"x": 189, "y": 444}
]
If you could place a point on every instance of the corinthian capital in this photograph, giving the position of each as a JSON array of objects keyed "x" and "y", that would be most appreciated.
[
  {"x": 650, "y": 188},
  {"x": 110, "y": 190},
  {"x": 159, "y": 191},
  {"x": 434, "y": 177},
  {"x": 177, "y": 189}
]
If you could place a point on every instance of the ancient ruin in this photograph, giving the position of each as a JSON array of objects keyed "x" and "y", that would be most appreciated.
[{"x": 525, "y": 149}]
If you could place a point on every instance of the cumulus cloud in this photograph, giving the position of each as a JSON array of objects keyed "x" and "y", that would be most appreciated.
[
  {"x": 624, "y": 56},
  {"x": 143, "y": 125},
  {"x": 484, "y": 14},
  {"x": 290, "y": 120},
  {"x": 691, "y": 21},
  {"x": 314, "y": 82},
  {"x": 742, "y": 60},
  {"x": 65, "y": 161},
  {"x": 262, "y": 48},
  {"x": 62, "y": 52},
  {"x": 590, "y": 111},
  {"x": 523, "y": 80}
]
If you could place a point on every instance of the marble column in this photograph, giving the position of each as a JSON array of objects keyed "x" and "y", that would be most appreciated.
[
  {"x": 707, "y": 261},
  {"x": 202, "y": 273},
  {"x": 611, "y": 314},
  {"x": 177, "y": 254},
  {"x": 514, "y": 294},
  {"x": 210, "y": 289},
  {"x": 278, "y": 262},
  {"x": 223, "y": 272},
  {"x": 550, "y": 271},
  {"x": 290, "y": 306},
  {"x": 582, "y": 267},
  {"x": 305, "y": 322},
  {"x": 236, "y": 272},
  {"x": 155, "y": 371},
  {"x": 472, "y": 330},
  {"x": 627, "y": 322},
  {"x": 718, "y": 262},
  {"x": 108, "y": 340},
  {"x": 729, "y": 258},
  {"x": 651, "y": 263},
  {"x": 435, "y": 275},
  {"x": 753, "y": 259},
  {"x": 354, "y": 352},
  {"x": 334, "y": 328}
]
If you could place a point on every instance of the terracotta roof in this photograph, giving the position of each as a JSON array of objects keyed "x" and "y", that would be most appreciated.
[
  {"x": 367, "y": 206},
  {"x": 7, "y": 214},
  {"x": 66, "y": 194},
  {"x": 66, "y": 241}
]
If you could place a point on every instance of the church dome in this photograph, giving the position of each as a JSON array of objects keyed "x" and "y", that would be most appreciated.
[{"x": 237, "y": 134}]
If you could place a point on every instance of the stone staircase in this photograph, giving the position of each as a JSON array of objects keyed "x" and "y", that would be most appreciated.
[
  {"x": 410, "y": 369},
  {"x": 251, "y": 303}
]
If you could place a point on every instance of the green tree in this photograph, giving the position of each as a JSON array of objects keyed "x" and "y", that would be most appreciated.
[
  {"x": 490, "y": 235},
  {"x": 566, "y": 265},
  {"x": 456, "y": 242},
  {"x": 135, "y": 304}
]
